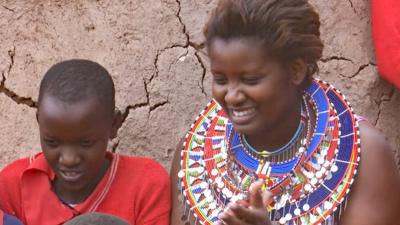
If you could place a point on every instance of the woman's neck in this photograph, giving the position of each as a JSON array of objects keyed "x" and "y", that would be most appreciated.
[{"x": 281, "y": 132}]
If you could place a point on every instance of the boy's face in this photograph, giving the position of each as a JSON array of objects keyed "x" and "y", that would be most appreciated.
[{"x": 74, "y": 139}]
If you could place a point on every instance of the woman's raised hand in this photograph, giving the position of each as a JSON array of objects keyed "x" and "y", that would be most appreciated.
[{"x": 249, "y": 213}]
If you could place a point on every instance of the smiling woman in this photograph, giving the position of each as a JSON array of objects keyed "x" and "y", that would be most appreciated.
[{"x": 276, "y": 146}]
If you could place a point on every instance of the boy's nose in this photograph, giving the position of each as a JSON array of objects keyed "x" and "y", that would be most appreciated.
[{"x": 69, "y": 157}]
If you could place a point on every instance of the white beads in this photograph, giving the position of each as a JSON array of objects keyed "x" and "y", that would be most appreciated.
[
  {"x": 328, "y": 205},
  {"x": 306, "y": 207},
  {"x": 308, "y": 187},
  {"x": 309, "y": 175},
  {"x": 288, "y": 217},
  {"x": 297, "y": 212},
  {"x": 207, "y": 193},
  {"x": 314, "y": 181},
  {"x": 181, "y": 174}
]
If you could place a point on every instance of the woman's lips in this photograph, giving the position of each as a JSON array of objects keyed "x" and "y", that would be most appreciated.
[{"x": 242, "y": 116}]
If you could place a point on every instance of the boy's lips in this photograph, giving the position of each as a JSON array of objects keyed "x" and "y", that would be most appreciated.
[{"x": 70, "y": 176}]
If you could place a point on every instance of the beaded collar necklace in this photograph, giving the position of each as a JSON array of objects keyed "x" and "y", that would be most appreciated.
[
  {"x": 309, "y": 186},
  {"x": 289, "y": 149}
]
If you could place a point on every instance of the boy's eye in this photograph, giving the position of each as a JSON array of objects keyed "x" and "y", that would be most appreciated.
[
  {"x": 86, "y": 143},
  {"x": 51, "y": 143}
]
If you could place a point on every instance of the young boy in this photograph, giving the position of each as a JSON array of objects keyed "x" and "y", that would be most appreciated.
[{"x": 75, "y": 174}]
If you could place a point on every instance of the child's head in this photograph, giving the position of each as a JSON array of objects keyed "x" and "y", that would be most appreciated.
[
  {"x": 76, "y": 116},
  {"x": 96, "y": 219},
  {"x": 74, "y": 80}
]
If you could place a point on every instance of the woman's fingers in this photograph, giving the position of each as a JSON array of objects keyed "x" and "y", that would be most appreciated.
[
  {"x": 258, "y": 197},
  {"x": 253, "y": 212},
  {"x": 250, "y": 215},
  {"x": 256, "y": 200},
  {"x": 266, "y": 198},
  {"x": 229, "y": 218}
]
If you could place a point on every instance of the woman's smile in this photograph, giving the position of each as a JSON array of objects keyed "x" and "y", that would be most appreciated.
[{"x": 241, "y": 115}]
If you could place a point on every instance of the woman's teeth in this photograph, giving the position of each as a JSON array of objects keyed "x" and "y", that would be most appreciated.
[{"x": 240, "y": 113}]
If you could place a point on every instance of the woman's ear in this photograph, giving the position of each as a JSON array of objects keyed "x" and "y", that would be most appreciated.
[
  {"x": 298, "y": 71},
  {"x": 117, "y": 123}
]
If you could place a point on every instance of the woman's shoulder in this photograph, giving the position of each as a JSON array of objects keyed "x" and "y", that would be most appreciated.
[
  {"x": 373, "y": 142},
  {"x": 377, "y": 183}
]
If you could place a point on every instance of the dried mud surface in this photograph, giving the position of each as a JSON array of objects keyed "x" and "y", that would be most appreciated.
[{"x": 155, "y": 53}]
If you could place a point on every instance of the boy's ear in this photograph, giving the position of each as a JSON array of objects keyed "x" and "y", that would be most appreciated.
[
  {"x": 298, "y": 71},
  {"x": 117, "y": 123}
]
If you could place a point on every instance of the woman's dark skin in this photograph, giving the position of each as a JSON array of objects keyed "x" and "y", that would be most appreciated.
[{"x": 373, "y": 198}]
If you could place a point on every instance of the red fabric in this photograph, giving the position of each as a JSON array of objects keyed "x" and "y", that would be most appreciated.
[
  {"x": 135, "y": 189},
  {"x": 1, "y": 217},
  {"x": 386, "y": 33}
]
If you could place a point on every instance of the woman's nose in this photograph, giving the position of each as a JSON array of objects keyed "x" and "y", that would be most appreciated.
[{"x": 234, "y": 95}]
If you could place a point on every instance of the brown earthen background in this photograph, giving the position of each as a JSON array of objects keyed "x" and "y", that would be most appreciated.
[{"x": 155, "y": 53}]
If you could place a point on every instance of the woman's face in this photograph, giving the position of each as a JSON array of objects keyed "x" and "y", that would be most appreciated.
[{"x": 256, "y": 92}]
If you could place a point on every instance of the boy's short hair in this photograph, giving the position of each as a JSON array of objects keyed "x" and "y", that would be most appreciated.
[
  {"x": 73, "y": 80},
  {"x": 96, "y": 219}
]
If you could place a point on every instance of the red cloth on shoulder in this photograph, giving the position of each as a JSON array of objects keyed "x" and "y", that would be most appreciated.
[
  {"x": 134, "y": 189},
  {"x": 386, "y": 34},
  {"x": 1, "y": 217}
]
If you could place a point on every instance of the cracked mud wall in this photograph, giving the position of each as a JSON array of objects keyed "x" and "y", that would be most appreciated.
[{"x": 155, "y": 53}]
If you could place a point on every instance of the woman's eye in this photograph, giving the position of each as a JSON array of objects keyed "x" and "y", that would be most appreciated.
[{"x": 251, "y": 80}]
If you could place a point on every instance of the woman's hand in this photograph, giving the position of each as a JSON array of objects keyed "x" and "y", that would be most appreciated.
[{"x": 253, "y": 213}]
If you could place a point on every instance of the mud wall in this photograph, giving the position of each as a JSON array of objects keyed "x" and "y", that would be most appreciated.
[{"x": 155, "y": 53}]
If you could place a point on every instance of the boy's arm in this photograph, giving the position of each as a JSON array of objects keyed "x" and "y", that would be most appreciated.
[{"x": 10, "y": 197}]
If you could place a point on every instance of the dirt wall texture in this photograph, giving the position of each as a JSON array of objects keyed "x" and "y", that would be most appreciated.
[{"x": 155, "y": 53}]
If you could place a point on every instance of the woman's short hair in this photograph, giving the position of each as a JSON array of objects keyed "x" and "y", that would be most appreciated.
[{"x": 287, "y": 29}]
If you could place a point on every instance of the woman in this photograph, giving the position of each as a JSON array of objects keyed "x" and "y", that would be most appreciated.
[{"x": 277, "y": 146}]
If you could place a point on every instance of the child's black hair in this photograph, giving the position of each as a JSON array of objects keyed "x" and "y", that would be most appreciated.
[
  {"x": 73, "y": 80},
  {"x": 96, "y": 219}
]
